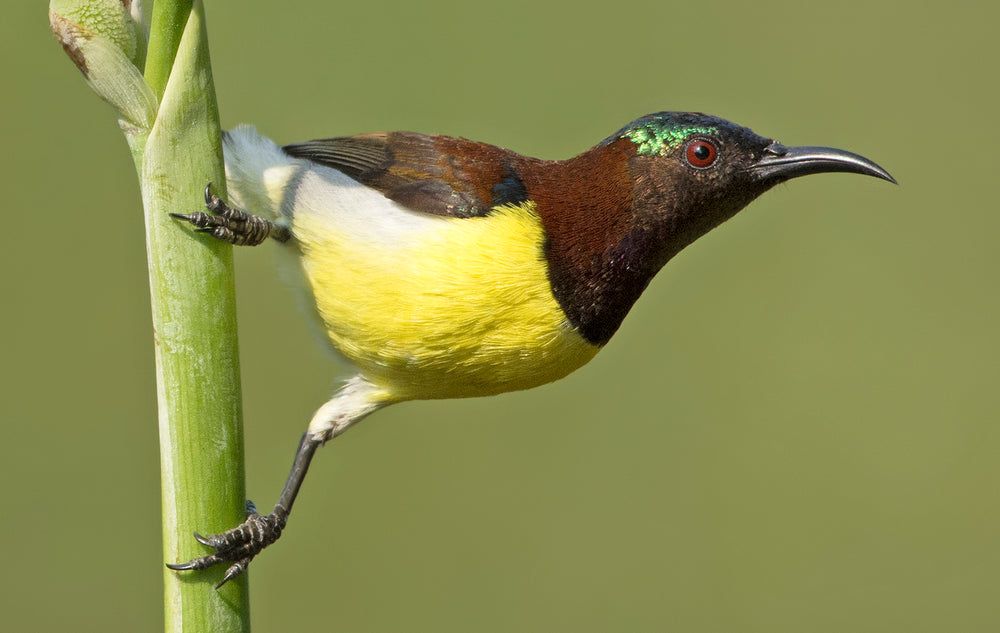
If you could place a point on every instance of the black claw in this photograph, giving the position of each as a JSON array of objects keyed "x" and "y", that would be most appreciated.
[
  {"x": 232, "y": 225},
  {"x": 238, "y": 545},
  {"x": 234, "y": 570},
  {"x": 213, "y": 202},
  {"x": 181, "y": 566}
]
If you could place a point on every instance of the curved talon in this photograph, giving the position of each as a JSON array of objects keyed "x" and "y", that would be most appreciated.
[
  {"x": 196, "y": 564},
  {"x": 181, "y": 566},
  {"x": 214, "y": 203},
  {"x": 232, "y": 225},
  {"x": 234, "y": 570},
  {"x": 238, "y": 545}
]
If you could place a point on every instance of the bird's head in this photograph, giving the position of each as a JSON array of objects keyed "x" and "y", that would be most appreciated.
[
  {"x": 648, "y": 191},
  {"x": 691, "y": 172}
]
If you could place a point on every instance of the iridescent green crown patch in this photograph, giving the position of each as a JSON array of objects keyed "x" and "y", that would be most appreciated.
[{"x": 659, "y": 134}]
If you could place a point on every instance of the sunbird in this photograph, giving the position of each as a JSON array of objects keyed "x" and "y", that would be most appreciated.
[{"x": 446, "y": 268}]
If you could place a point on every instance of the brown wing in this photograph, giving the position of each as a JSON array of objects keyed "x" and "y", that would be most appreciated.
[{"x": 432, "y": 174}]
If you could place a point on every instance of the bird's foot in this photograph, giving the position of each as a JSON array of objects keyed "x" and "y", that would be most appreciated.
[
  {"x": 239, "y": 545},
  {"x": 231, "y": 225}
]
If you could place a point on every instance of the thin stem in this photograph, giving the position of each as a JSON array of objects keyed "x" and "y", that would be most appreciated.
[
  {"x": 194, "y": 322},
  {"x": 167, "y": 27},
  {"x": 169, "y": 115}
]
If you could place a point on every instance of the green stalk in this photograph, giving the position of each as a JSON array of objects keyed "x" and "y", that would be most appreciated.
[
  {"x": 176, "y": 146},
  {"x": 194, "y": 317}
]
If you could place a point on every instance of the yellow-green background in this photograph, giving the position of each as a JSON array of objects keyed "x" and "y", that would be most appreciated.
[{"x": 796, "y": 429}]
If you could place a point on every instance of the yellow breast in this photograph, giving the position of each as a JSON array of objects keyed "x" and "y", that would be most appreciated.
[{"x": 438, "y": 307}]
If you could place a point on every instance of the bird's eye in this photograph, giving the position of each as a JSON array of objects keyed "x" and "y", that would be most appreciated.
[{"x": 701, "y": 153}]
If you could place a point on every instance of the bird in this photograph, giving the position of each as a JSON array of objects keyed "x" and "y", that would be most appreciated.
[{"x": 446, "y": 268}]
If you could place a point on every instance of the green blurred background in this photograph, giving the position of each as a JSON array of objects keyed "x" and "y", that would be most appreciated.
[{"x": 794, "y": 430}]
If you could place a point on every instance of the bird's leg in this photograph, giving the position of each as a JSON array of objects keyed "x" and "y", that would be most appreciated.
[
  {"x": 355, "y": 400},
  {"x": 239, "y": 545},
  {"x": 233, "y": 225}
]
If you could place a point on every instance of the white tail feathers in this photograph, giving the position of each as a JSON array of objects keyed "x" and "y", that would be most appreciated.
[{"x": 257, "y": 171}]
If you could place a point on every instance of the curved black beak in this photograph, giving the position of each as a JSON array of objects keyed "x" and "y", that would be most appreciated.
[{"x": 780, "y": 163}]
